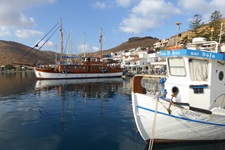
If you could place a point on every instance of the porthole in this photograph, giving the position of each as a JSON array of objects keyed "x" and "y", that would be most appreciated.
[
  {"x": 221, "y": 75},
  {"x": 175, "y": 89}
]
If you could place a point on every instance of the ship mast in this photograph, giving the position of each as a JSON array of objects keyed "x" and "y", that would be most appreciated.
[
  {"x": 101, "y": 42},
  {"x": 84, "y": 44},
  {"x": 61, "y": 37}
]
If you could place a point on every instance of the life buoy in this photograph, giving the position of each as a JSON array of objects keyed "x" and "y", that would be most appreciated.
[{"x": 175, "y": 47}]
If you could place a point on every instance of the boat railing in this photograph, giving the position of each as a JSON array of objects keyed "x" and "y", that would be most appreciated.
[
  {"x": 206, "y": 45},
  {"x": 147, "y": 84},
  {"x": 152, "y": 85}
]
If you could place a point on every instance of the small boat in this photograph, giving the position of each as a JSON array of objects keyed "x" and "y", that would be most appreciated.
[
  {"x": 87, "y": 67},
  {"x": 187, "y": 104}
]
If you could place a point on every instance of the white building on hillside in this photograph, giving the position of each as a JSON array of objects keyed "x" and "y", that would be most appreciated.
[
  {"x": 137, "y": 60},
  {"x": 161, "y": 43}
]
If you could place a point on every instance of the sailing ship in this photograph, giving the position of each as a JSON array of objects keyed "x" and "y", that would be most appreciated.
[
  {"x": 187, "y": 104},
  {"x": 88, "y": 67}
]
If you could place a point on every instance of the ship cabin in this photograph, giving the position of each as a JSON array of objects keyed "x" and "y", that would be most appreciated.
[{"x": 196, "y": 75}]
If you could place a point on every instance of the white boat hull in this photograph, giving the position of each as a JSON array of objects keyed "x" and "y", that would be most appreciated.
[
  {"x": 181, "y": 125},
  {"x": 54, "y": 75}
]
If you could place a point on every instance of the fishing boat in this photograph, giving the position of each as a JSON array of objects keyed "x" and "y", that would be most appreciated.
[
  {"x": 188, "y": 103},
  {"x": 87, "y": 67}
]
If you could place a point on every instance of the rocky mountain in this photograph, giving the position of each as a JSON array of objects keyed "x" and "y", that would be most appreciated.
[{"x": 16, "y": 53}]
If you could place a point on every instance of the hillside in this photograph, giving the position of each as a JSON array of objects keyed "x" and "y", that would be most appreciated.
[
  {"x": 11, "y": 52},
  {"x": 133, "y": 42}
]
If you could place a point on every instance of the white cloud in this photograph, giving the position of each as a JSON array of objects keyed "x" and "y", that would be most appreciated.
[
  {"x": 84, "y": 48},
  {"x": 151, "y": 14},
  {"x": 27, "y": 33},
  {"x": 147, "y": 15},
  {"x": 5, "y": 31},
  {"x": 193, "y": 5},
  {"x": 113, "y": 3},
  {"x": 202, "y": 7},
  {"x": 95, "y": 48},
  {"x": 100, "y": 5},
  {"x": 13, "y": 16},
  {"x": 124, "y": 3},
  {"x": 47, "y": 45},
  {"x": 88, "y": 48},
  {"x": 12, "y": 12}
]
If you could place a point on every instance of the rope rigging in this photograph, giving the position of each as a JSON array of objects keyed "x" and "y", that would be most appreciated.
[
  {"x": 44, "y": 42},
  {"x": 38, "y": 43}
]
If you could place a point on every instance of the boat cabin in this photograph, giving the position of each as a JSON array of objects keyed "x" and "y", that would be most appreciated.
[{"x": 196, "y": 76}]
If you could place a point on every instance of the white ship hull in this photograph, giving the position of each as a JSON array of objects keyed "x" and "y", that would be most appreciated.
[{"x": 55, "y": 75}]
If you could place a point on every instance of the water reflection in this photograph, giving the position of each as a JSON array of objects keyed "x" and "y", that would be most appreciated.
[
  {"x": 88, "y": 88},
  {"x": 11, "y": 82},
  {"x": 66, "y": 114}
]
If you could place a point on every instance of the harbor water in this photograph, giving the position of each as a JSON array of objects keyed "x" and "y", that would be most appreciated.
[{"x": 81, "y": 114}]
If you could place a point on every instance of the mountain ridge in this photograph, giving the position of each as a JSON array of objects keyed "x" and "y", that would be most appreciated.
[{"x": 19, "y": 54}]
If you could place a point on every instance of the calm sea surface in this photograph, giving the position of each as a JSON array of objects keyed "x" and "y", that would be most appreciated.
[{"x": 88, "y": 114}]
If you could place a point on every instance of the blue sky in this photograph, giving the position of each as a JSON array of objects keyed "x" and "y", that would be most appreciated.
[{"x": 27, "y": 21}]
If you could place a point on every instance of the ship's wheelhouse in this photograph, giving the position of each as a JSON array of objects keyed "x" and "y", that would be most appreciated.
[{"x": 189, "y": 78}]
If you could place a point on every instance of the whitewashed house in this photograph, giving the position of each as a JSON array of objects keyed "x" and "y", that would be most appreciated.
[
  {"x": 137, "y": 60},
  {"x": 161, "y": 43}
]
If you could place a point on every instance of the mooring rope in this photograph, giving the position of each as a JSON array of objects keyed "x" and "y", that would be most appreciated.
[{"x": 151, "y": 142}]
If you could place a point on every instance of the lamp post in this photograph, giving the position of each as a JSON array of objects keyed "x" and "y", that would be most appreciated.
[{"x": 178, "y": 30}]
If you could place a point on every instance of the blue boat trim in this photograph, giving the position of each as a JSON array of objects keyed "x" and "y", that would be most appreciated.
[
  {"x": 198, "y": 121},
  {"x": 192, "y": 53}
]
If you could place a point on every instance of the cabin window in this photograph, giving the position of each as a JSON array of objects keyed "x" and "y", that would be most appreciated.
[
  {"x": 198, "y": 69},
  {"x": 176, "y": 66}
]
